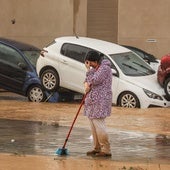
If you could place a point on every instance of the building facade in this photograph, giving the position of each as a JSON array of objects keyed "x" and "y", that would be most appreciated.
[
  {"x": 140, "y": 23},
  {"x": 145, "y": 24}
]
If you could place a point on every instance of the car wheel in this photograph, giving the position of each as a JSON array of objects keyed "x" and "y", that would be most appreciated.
[
  {"x": 167, "y": 87},
  {"x": 50, "y": 80},
  {"x": 36, "y": 94},
  {"x": 128, "y": 99}
]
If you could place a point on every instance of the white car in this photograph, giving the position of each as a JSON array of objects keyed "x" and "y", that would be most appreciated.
[{"x": 61, "y": 64}]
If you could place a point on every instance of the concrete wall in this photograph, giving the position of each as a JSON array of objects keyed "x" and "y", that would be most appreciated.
[
  {"x": 102, "y": 19},
  {"x": 80, "y": 17},
  {"x": 141, "y": 23},
  {"x": 38, "y": 22},
  {"x": 145, "y": 24}
]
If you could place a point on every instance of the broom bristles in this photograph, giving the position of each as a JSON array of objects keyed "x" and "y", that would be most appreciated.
[{"x": 62, "y": 151}]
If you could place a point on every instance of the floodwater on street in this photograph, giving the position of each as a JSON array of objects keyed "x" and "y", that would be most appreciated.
[
  {"x": 29, "y": 138},
  {"x": 28, "y": 128}
]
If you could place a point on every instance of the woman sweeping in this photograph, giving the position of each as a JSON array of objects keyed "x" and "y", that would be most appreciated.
[{"x": 98, "y": 101}]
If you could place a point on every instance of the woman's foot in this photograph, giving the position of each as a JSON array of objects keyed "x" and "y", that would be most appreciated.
[
  {"x": 92, "y": 153},
  {"x": 103, "y": 154}
]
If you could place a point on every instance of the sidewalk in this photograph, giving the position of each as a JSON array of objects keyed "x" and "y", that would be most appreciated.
[{"x": 15, "y": 162}]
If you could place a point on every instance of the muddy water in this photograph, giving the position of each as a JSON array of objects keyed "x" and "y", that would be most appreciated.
[
  {"x": 29, "y": 138},
  {"x": 40, "y": 128}
]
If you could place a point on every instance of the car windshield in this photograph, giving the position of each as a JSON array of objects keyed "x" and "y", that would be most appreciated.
[
  {"x": 32, "y": 56},
  {"x": 131, "y": 64}
]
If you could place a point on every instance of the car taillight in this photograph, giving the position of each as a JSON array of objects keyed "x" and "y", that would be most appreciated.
[{"x": 42, "y": 53}]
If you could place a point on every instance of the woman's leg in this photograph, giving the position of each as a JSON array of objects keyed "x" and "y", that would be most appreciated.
[
  {"x": 95, "y": 137},
  {"x": 101, "y": 136}
]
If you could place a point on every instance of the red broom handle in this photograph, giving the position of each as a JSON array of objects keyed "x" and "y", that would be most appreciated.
[{"x": 74, "y": 120}]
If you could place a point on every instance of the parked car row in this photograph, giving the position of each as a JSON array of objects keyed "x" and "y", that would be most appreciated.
[
  {"x": 18, "y": 73},
  {"x": 60, "y": 65}
]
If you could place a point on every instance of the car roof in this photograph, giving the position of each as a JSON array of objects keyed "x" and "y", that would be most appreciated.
[
  {"x": 19, "y": 45},
  {"x": 100, "y": 45}
]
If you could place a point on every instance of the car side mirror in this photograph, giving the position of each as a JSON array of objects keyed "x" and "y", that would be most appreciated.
[
  {"x": 114, "y": 72},
  {"x": 22, "y": 66}
]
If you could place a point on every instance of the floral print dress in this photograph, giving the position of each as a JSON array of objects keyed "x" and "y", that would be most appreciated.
[{"x": 98, "y": 101}]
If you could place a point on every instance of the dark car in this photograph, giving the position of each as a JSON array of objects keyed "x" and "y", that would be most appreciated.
[
  {"x": 149, "y": 58},
  {"x": 163, "y": 74},
  {"x": 17, "y": 69}
]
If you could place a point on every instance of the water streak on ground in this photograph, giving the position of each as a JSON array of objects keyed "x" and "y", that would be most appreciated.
[{"x": 28, "y": 137}]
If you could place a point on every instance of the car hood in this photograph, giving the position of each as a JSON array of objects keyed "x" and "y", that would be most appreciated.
[{"x": 147, "y": 82}]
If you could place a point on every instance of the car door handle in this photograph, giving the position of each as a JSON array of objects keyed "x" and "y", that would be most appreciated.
[{"x": 64, "y": 61}]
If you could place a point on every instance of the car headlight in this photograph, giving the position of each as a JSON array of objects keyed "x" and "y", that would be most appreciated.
[{"x": 152, "y": 95}]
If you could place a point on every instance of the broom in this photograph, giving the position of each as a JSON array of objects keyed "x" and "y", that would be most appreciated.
[{"x": 63, "y": 150}]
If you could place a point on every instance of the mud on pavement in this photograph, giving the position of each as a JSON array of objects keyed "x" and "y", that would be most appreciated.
[{"x": 136, "y": 135}]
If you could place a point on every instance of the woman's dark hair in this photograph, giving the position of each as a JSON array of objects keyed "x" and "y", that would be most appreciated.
[{"x": 93, "y": 56}]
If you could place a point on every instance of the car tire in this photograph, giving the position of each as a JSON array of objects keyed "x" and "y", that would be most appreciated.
[
  {"x": 50, "y": 80},
  {"x": 36, "y": 94},
  {"x": 167, "y": 87},
  {"x": 129, "y": 100}
]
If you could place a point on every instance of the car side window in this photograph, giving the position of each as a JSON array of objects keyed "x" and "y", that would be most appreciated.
[
  {"x": 10, "y": 56},
  {"x": 74, "y": 51}
]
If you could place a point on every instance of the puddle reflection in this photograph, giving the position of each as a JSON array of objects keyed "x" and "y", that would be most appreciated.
[{"x": 26, "y": 137}]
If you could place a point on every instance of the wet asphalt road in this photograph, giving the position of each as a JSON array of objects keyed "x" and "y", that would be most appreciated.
[
  {"x": 35, "y": 138},
  {"x": 23, "y": 137}
]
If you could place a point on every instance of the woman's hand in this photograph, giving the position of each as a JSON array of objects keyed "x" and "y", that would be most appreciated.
[
  {"x": 87, "y": 87},
  {"x": 87, "y": 64}
]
